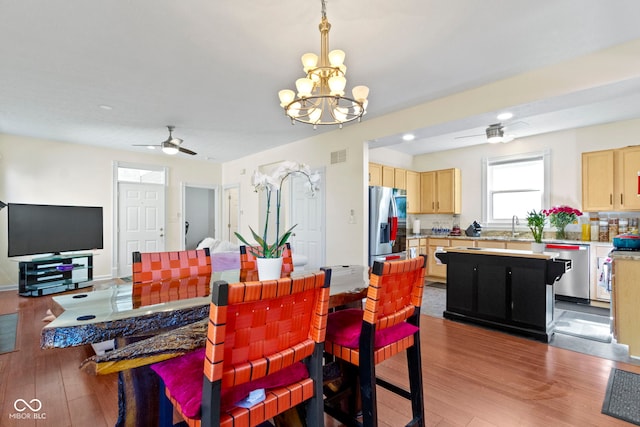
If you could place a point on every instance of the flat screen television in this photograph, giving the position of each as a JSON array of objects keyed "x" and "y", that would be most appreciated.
[{"x": 44, "y": 229}]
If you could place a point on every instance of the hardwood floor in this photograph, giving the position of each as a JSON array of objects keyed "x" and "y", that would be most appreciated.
[{"x": 472, "y": 377}]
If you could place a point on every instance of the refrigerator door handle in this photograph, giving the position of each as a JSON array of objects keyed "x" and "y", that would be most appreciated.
[{"x": 393, "y": 220}]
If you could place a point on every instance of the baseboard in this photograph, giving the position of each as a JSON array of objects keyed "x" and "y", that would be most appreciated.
[{"x": 8, "y": 288}]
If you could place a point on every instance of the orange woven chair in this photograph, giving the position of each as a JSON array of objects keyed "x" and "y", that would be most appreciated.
[
  {"x": 262, "y": 335},
  {"x": 155, "y": 266},
  {"x": 248, "y": 260},
  {"x": 389, "y": 324}
]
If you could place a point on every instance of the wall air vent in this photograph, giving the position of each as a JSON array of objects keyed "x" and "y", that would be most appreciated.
[{"x": 339, "y": 156}]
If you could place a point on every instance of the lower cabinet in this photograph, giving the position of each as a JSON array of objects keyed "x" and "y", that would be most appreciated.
[{"x": 435, "y": 269}]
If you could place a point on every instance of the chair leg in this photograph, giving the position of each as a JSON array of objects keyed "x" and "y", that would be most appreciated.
[
  {"x": 368, "y": 377},
  {"x": 414, "y": 362},
  {"x": 315, "y": 405},
  {"x": 165, "y": 408}
]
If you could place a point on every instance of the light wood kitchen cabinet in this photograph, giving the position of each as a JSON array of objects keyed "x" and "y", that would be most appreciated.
[
  {"x": 420, "y": 243},
  {"x": 495, "y": 244},
  {"x": 519, "y": 246},
  {"x": 388, "y": 176},
  {"x": 440, "y": 191},
  {"x": 625, "y": 296},
  {"x": 428, "y": 192},
  {"x": 413, "y": 192},
  {"x": 597, "y": 181},
  {"x": 436, "y": 271},
  {"x": 627, "y": 167},
  {"x": 464, "y": 243},
  {"x": 610, "y": 180},
  {"x": 375, "y": 174},
  {"x": 400, "y": 180}
]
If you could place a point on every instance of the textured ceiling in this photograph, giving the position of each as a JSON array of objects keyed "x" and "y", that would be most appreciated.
[{"x": 213, "y": 69}]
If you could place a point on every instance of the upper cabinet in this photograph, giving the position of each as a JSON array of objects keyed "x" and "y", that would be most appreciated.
[
  {"x": 441, "y": 191},
  {"x": 413, "y": 192},
  {"x": 434, "y": 192},
  {"x": 627, "y": 166},
  {"x": 375, "y": 174},
  {"x": 610, "y": 180},
  {"x": 400, "y": 180},
  {"x": 597, "y": 181},
  {"x": 387, "y": 176}
]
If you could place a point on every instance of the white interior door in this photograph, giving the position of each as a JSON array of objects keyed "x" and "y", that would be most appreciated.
[
  {"x": 231, "y": 212},
  {"x": 141, "y": 224},
  {"x": 308, "y": 213}
]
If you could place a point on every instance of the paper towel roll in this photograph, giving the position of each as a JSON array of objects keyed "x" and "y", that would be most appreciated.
[{"x": 416, "y": 226}]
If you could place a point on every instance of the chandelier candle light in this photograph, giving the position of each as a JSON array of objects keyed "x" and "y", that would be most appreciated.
[{"x": 321, "y": 98}]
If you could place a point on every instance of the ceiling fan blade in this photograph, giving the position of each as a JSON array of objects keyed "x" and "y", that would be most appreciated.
[
  {"x": 469, "y": 136},
  {"x": 146, "y": 145},
  {"x": 187, "y": 151}
]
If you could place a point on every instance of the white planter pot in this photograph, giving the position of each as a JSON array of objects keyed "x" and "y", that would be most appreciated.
[
  {"x": 537, "y": 248},
  {"x": 269, "y": 268}
]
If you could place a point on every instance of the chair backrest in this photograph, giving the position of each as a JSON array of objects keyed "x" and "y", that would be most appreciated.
[
  {"x": 248, "y": 260},
  {"x": 261, "y": 327},
  {"x": 395, "y": 292},
  {"x": 154, "y": 266}
]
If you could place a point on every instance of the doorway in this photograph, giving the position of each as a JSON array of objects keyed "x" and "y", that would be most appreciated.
[
  {"x": 308, "y": 213},
  {"x": 231, "y": 212},
  {"x": 199, "y": 214},
  {"x": 139, "y": 212}
]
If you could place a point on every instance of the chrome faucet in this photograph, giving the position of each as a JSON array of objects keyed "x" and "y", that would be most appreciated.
[{"x": 514, "y": 222}]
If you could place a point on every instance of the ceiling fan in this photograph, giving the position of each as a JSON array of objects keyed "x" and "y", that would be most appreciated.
[
  {"x": 496, "y": 133},
  {"x": 171, "y": 145}
]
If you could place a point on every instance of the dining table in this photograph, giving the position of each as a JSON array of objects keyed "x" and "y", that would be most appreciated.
[
  {"x": 129, "y": 313},
  {"x": 121, "y": 310}
]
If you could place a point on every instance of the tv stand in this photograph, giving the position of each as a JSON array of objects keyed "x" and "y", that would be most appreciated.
[{"x": 53, "y": 274}]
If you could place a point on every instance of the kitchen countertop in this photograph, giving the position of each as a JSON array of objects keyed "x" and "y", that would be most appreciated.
[
  {"x": 509, "y": 239},
  {"x": 632, "y": 255},
  {"x": 502, "y": 252}
]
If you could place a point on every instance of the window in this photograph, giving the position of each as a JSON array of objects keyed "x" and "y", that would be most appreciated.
[
  {"x": 514, "y": 185},
  {"x": 140, "y": 175}
]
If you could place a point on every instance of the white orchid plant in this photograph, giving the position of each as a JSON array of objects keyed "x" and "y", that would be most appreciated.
[{"x": 273, "y": 184}]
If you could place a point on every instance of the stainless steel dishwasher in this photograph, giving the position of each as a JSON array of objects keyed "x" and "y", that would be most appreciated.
[{"x": 574, "y": 284}]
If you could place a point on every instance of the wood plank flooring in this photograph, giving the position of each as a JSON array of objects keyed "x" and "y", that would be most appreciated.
[{"x": 472, "y": 377}]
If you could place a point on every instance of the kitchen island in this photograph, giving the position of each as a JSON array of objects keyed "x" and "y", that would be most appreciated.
[{"x": 506, "y": 289}]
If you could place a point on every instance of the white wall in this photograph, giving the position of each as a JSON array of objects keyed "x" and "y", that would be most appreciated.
[
  {"x": 49, "y": 172},
  {"x": 344, "y": 186}
]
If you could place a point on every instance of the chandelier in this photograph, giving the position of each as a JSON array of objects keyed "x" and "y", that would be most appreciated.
[{"x": 321, "y": 98}]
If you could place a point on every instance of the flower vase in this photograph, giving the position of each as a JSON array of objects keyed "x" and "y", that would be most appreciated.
[
  {"x": 269, "y": 268},
  {"x": 537, "y": 248},
  {"x": 561, "y": 234}
]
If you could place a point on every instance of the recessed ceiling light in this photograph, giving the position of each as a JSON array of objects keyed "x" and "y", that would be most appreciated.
[
  {"x": 408, "y": 137},
  {"x": 505, "y": 116},
  {"x": 106, "y": 107}
]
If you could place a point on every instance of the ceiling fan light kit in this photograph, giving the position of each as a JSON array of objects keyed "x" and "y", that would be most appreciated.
[
  {"x": 494, "y": 133},
  {"x": 320, "y": 97},
  {"x": 171, "y": 146}
]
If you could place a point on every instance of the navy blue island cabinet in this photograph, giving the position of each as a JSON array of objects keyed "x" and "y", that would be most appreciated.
[{"x": 510, "y": 290}]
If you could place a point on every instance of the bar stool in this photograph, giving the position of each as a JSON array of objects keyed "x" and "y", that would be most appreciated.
[
  {"x": 261, "y": 335},
  {"x": 389, "y": 324}
]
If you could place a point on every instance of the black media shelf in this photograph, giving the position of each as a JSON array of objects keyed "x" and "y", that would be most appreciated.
[{"x": 44, "y": 276}]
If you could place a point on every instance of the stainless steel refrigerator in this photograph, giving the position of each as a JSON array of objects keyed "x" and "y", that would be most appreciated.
[{"x": 387, "y": 223}]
